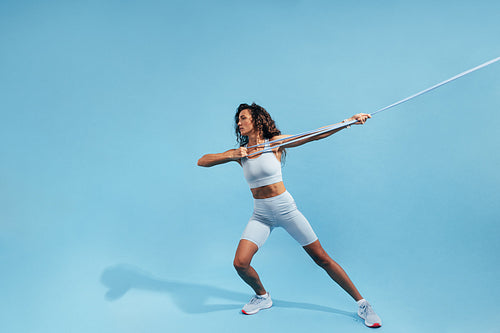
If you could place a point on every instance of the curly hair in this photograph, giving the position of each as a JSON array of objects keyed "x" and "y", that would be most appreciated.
[{"x": 262, "y": 121}]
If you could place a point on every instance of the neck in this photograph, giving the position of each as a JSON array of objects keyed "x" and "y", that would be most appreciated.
[{"x": 255, "y": 140}]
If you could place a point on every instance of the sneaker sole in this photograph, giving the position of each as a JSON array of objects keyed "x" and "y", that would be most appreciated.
[
  {"x": 374, "y": 325},
  {"x": 251, "y": 313}
]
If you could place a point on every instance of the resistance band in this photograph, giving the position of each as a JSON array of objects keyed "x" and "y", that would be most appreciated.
[{"x": 309, "y": 134}]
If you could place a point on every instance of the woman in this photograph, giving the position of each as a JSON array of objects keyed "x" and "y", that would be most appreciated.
[{"x": 274, "y": 206}]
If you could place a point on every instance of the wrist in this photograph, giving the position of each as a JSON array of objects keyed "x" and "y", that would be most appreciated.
[{"x": 346, "y": 121}]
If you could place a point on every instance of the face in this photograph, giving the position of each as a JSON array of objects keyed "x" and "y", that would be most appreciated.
[{"x": 245, "y": 123}]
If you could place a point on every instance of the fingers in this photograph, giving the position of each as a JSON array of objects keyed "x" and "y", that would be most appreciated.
[
  {"x": 239, "y": 153},
  {"x": 242, "y": 152},
  {"x": 361, "y": 118}
]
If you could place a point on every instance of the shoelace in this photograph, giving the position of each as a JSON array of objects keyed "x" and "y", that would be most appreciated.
[
  {"x": 366, "y": 309},
  {"x": 256, "y": 299}
]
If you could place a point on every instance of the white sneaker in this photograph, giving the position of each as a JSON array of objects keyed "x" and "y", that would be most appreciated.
[
  {"x": 366, "y": 312},
  {"x": 257, "y": 303}
]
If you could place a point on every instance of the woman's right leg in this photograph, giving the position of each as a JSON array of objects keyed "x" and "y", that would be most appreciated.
[{"x": 242, "y": 259}]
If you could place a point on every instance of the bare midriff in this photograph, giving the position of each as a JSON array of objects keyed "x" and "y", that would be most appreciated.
[{"x": 268, "y": 191}]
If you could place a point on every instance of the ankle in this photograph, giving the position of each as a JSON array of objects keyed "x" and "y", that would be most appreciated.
[{"x": 361, "y": 301}]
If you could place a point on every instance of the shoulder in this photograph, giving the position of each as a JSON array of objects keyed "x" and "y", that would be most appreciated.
[
  {"x": 279, "y": 137},
  {"x": 278, "y": 150}
]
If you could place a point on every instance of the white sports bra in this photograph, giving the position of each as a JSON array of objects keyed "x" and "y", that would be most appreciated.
[{"x": 263, "y": 170}]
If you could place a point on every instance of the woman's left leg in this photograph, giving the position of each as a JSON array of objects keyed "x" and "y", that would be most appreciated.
[{"x": 320, "y": 257}]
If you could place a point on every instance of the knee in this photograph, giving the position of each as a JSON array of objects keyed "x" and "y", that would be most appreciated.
[
  {"x": 240, "y": 265},
  {"x": 322, "y": 260}
]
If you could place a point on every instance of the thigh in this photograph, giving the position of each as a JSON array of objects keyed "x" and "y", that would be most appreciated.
[
  {"x": 298, "y": 227},
  {"x": 256, "y": 232}
]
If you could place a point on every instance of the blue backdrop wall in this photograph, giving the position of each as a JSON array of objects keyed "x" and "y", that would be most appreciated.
[{"x": 108, "y": 225}]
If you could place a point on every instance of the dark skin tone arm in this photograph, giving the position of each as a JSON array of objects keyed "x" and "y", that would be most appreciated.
[
  {"x": 210, "y": 160},
  {"x": 361, "y": 119}
]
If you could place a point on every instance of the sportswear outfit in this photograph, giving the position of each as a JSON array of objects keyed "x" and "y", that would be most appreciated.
[
  {"x": 277, "y": 211},
  {"x": 280, "y": 211}
]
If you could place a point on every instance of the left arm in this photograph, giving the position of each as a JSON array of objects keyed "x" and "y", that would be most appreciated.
[{"x": 360, "y": 117}]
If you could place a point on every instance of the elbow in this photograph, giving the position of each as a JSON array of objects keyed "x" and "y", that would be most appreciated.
[{"x": 203, "y": 163}]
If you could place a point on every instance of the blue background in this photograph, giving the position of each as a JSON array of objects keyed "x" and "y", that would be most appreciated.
[{"x": 108, "y": 225}]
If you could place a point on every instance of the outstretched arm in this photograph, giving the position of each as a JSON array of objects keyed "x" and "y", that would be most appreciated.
[
  {"x": 360, "y": 117},
  {"x": 210, "y": 160}
]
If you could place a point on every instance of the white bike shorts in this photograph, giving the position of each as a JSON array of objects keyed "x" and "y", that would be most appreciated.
[{"x": 278, "y": 211}]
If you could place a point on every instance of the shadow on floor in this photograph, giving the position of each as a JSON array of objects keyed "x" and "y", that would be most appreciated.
[{"x": 190, "y": 297}]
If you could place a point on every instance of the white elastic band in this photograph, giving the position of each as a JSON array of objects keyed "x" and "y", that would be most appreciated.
[
  {"x": 438, "y": 85},
  {"x": 309, "y": 134}
]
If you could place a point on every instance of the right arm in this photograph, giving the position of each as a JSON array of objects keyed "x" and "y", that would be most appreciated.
[
  {"x": 210, "y": 160},
  {"x": 360, "y": 117}
]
